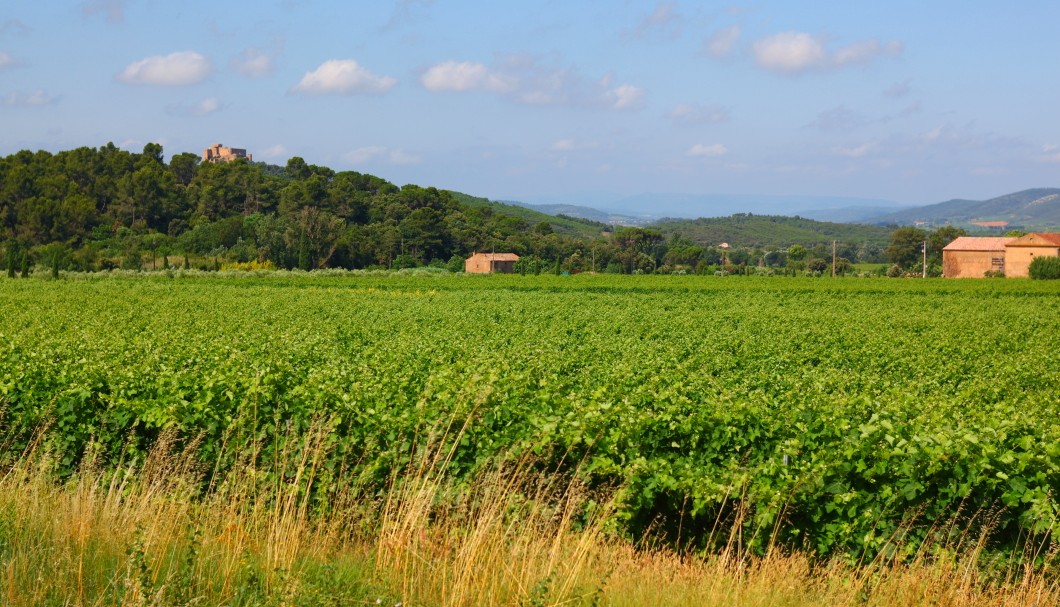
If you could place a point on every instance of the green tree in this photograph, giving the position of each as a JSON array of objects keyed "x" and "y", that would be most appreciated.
[
  {"x": 939, "y": 238},
  {"x": 904, "y": 249}
]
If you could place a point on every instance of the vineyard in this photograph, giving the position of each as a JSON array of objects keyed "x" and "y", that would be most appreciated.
[{"x": 844, "y": 417}]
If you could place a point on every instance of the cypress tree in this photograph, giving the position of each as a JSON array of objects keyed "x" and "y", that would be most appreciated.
[
  {"x": 11, "y": 261},
  {"x": 187, "y": 264},
  {"x": 25, "y": 265},
  {"x": 55, "y": 266}
]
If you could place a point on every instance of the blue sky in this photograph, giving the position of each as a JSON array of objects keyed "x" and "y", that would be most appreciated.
[{"x": 911, "y": 101}]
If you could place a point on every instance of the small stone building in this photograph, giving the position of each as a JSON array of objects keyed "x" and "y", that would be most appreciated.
[
  {"x": 1021, "y": 251},
  {"x": 973, "y": 257},
  {"x": 489, "y": 263}
]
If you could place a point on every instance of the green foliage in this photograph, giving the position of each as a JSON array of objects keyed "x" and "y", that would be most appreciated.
[
  {"x": 1045, "y": 268},
  {"x": 117, "y": 205},
  {"x": 745, "y": 229},
  {"x": 906, "y": 248},
  {"x": 720, "y": 408}
]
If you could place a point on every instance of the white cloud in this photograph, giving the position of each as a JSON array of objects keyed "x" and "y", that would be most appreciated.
[
  {"x": 855, "y": 152},
  {"x": 714, "y": 150},
  {"x": 343, "y": 77},
  {"x": 37, "y": 98},
  {"x": 462, "y": 76},
  {"x": 1050, "y": 153},
  {"x": 626, "y": 97},
  {"x": 795, "y": 52},
  {"x": 789, "y": 52},
  {"x": 373, "y": 153},
  {"x": 275, "y": 151},
  {"x": 690, "y": 113},
  {"x": 524, "y": 79},
  {"x": 866, "y": 51},
  {"x": 176, "y": 69},
  {"x": 722, "y": 42},
  {"x": 402, "y": 157},
  {"x": 207, "y": 106},
  {"x": 570, "y": 145},
  {"x": 7, "y": 61},
  {"x": 253, "y": 63}
]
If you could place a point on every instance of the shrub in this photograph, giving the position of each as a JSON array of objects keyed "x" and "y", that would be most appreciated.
[{"x": 1045, "y": 268}]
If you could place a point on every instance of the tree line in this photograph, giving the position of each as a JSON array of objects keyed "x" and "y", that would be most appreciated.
[{"x": 92, "y": 209}]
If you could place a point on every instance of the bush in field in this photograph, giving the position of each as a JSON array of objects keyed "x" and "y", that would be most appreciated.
[{"x": 1045, "y": 268}]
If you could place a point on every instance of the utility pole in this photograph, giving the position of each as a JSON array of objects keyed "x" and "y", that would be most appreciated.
[
  {"x": 833, "y": 259},
  {"x": 923, "y": 249}
]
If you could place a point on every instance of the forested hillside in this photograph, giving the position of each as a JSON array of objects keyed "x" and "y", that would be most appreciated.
[
  {"x": 745, "y": 229},
  {"x": 97, "y": 209},
  {"x": 1035, "y": 209},
  {"x": 94, "y": 209}
]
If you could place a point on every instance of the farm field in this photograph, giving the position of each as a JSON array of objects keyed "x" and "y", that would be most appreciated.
[{"x": 849, "y": 419}]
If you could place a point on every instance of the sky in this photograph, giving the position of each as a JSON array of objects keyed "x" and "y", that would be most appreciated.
[{"x": 915, "y": 102}]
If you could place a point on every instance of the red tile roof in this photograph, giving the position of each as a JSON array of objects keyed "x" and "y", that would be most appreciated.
[
  {"x": 497, "y": 256},
  {"x": 978, "y": 243}
]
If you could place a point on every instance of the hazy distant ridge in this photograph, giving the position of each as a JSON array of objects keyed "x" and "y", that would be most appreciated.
[{"x": 1037, "y": 208}]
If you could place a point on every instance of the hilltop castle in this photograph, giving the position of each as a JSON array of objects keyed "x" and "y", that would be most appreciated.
[{"x": 218, "y": 153}]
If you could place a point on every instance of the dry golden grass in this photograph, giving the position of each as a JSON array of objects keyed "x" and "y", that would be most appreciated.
[{"x": 150, "y": 536}]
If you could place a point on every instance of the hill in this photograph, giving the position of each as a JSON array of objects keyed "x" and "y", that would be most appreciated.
[
  {"x": 744, "y": 229},
  {"x": 564, "y": 225},
  {"x": 1034, "y": 209}
]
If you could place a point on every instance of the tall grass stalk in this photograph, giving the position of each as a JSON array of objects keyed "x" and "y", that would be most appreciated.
[{"x": 161, "y": 534}]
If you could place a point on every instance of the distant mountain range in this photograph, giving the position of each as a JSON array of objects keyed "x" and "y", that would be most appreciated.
[
  {"x": 1035, "y": 209},
  {"x": 640, "y": 209}
]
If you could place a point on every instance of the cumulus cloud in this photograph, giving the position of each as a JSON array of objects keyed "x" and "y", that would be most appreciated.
[
  {"x": 797, "y": 52},
  {"x": 626, "y": 97},
  {"x": 462, "y": 76},
  {"x": 7, "y": 61},
  {"x": 253, "y": 63},
  {"x": 663, "y": 22},
  {"x": 690, "y": 113},
  {"x": 702, "y": 150},
  {"x": 176, "y": 69},
  {"x": 379, "y": 153},
  {"x": 789, "y": 52},
  {"x": 37, "y": 98},
  {"x": 343, "y": 77},
  {"x": 113, "y": 10},
  {"x": 527, "y": 80},
  {"x": 721, "y": 43}
]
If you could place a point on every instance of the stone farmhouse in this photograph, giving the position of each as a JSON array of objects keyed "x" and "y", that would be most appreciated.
[
  {"x": 219, "y": 153},
  {"x": 489, "y": 263},
  {"x": 974, "y": 257}
]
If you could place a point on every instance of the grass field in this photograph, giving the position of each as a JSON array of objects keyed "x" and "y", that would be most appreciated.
[{"x": 241, "y": 440}]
